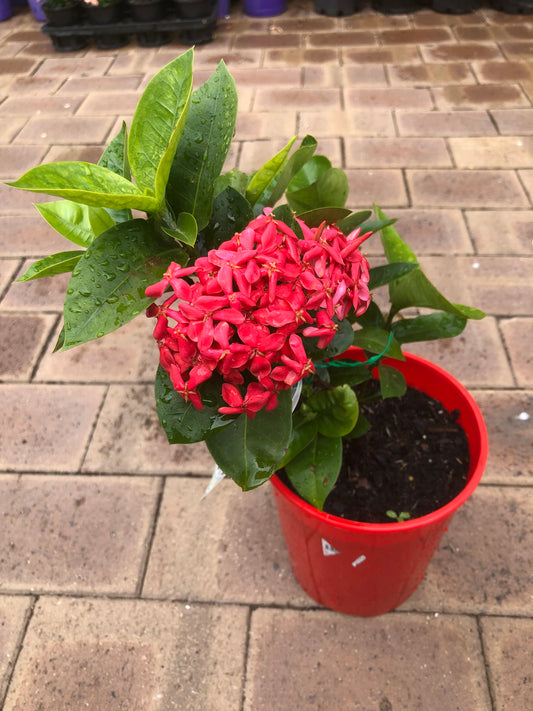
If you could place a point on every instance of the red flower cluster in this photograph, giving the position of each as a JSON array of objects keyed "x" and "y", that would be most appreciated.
[{"x": 251, "y": 301}]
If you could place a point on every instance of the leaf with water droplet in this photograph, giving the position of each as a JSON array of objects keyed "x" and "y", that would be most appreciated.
[{"x": 96, "y": 306}]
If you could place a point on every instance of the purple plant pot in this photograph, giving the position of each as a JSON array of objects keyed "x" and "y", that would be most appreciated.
[
  {"x": 6, "y": 11},
  {"x": 37, "y": 10},
  {"x": 264, "y": 8}
]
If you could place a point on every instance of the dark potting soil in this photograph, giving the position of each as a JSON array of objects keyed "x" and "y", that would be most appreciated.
[{"x": 414, "y": 459}]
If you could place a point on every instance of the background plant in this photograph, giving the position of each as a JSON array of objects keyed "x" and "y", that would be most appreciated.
[{"x": 170, "y": 167}]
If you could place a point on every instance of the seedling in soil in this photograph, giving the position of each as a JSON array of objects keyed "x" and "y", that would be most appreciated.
[{"x": 402, "y": 516}]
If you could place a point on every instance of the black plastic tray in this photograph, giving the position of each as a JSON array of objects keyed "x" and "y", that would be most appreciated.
[{"x": 192, "y": 31}]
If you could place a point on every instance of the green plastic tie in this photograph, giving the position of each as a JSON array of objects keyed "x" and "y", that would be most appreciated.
[{"x": 356, "y": 363}]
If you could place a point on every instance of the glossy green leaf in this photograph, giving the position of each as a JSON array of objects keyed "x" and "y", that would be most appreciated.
[
  {"x": 267, "y": 174},
  {"x": 85, "y": 183},
  {"x": 250, "y": 450},
  {"x": 235, "y": 179},
  {"x": 329, "y": 215},
  {"x": 371, "y": 317},
  {"x": 353, "y": 221},
  {"x": 428, "y": 327},
  {"x": 115, "y": 156},
  {"x": 157, "y": 125},
  {"x": 349, "y": 375},
  {"x": 375, "y": 225},
  {"x": 181, "y": 421},
  {"x": 303, "y": 433},
  {"x": 309, "y": 173},
  {"x": 415, "y": 289},
  {"x": 330, "y": 190},
  {"x": 376, "y": 340},
  {"x": 336, "y": 410},
  {"x": 362, "y": 426},
  {"x": 294, "y": 163},
  {"x": 59, "y": 263},
  {"x": 78, "y": 223},
  {"x": 315, "y": 470},
  {"x": 115, "y": 159},
  {"x": 203, "y": 147},
  {"x": 391, "y": 382},
  {"x": 106, "y": 289},
  {"x": 396, "y": 250},
  {"x": 342, "y": 340},
  {"x": 184, "y": 229},
  {"x": 382, "y": 275},
  {"x": 231, "y": 213}
]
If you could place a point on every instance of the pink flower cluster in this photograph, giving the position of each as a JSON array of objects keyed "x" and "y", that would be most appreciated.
[{"x": 242, "y": 310}]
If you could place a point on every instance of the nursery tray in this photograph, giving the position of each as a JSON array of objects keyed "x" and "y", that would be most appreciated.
[{"x": 198, "y": 30}]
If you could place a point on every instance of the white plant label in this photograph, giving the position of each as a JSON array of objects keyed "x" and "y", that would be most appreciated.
[
  {"x": 327, "y": 548},
  {"x": 358, "y": 561}
]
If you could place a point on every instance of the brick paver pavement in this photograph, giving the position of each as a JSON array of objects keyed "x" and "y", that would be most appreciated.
[{"x": 119, "y": 587}]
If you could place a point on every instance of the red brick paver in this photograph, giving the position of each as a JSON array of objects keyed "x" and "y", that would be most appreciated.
[{"x": 120, "y": 587}]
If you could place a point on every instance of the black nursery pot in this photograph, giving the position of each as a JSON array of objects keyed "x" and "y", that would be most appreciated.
[
  {"x": 396, "y": 7},
  {"x": 63, "y": 16},
  {"x": 514, "y": 7},
  {"x": 193, "y": 9},
  {"x": 146, "y": 10},
  {"x": 108, "y": 15},
  {"x": 69, "y": 43},
  {"x": 337, "y": 8},
  {"x": 455, "y": 7}
]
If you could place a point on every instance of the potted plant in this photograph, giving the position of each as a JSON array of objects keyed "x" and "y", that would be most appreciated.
[
  {"x": 106, "y": 13},
  {"x": 259, "y": 294},
  {"x": 62, "y": 13}
]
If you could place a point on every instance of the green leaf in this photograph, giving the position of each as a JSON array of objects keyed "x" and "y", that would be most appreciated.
[
  {"x": 375, "y": 225},
  {"x": 294, "y": 163},
  {"x": 106, "y": 289},
  {"x": 371, "y": 317},
  {"x": 379, "y": 276},
  {"x": 303, "y": 432},
  {"x": 86, "y": 183},
  {"x": 115, "y": 159},
  {"x": 396, "y": 250},
  {"x": 267, "y": 174},
  {"x": 342, "y": 340},
  {"x": 330, "y": 190},
  {"x": 182, "y": 422},
  {"x": 157, "y": 125},
  {"x": 315, "y": 470},
  {"x": 337, "y": 410},
  {"x": 78, "y": 223},
  {"x": 235, "y": 179},
  {"x": 250, "y": 450},
  {"x": 115, "y": 156},
  {"x": 391, "y": 382},
  {"x": 349, "y": 375},
  {"x": 54, "y": 264},
  {"x": 428, "y": 327},
  {"x": 231, "y": 213},
  {"x": 329, "y": 215},
  {"x": 376, "y": 340},
  {"x": 309, "y": 173},
  {"x": 415, "y": 289},
  {"x": 184, "y": 229},
  {"x": 353, "y": 221},
  {"x": 362, "y": 426},
  {"x": 203, "y": 147}
]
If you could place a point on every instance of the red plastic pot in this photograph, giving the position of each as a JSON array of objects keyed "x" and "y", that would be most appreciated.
[{"x": 368, "y": 569}]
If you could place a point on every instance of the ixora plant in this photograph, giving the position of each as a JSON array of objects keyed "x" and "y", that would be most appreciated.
[{"x": 256, "y": 284}]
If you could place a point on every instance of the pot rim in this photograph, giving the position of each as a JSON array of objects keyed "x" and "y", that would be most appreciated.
[{"x": 477, "y": 464}]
